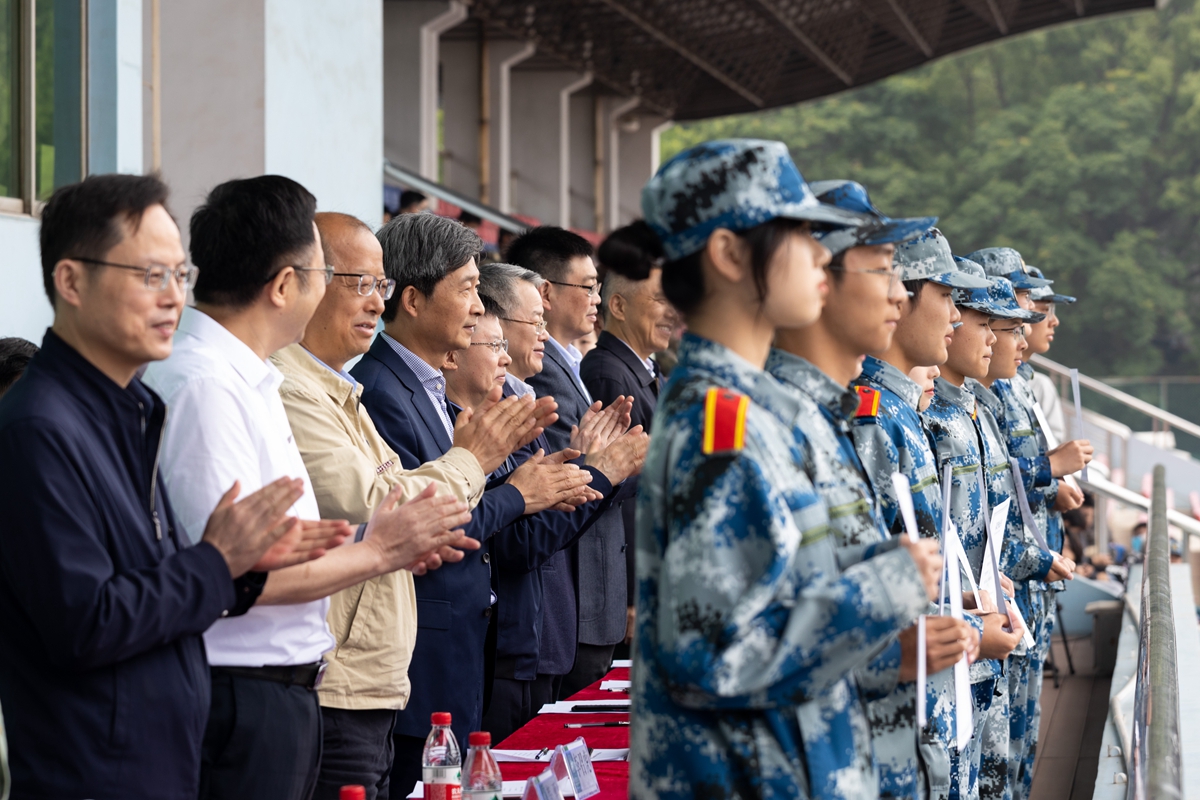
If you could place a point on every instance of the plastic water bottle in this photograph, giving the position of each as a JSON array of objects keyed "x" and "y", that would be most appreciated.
[
  {"x": 481, "y": 773},
  {"x": 441, "y": 763}
]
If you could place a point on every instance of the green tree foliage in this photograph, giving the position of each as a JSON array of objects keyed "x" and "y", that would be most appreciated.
[{"x": 1079, "y": 146}]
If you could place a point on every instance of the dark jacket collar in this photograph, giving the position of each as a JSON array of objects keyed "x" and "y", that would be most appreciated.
[
  {"x": 624, "y": 352},
  {"x": 429, "y": 415}
]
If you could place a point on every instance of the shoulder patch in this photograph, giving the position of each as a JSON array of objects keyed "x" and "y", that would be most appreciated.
[
  {"x": 868, "y": 402},
  {"x": 724, "y": 420}
]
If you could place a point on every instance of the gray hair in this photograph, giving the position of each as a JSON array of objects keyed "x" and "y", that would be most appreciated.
[
  {"x": 421, "y": 249},
  {"x": 616, "y": 283},
  {"x": 498, "y": 285}
]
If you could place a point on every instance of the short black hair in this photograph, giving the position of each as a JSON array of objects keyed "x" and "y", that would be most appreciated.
[
  {"x": 15, "y": 355},
  {"x": 246, "y": 232},
  {"x": 410, "y": 198},
  {"x": 914, "y": 287},
  {"x": 631, "y": 252},
  {"x": 421, "y": 249},
  {"x": 84, "y": 220},
  {"x": 548, "y": 251}
]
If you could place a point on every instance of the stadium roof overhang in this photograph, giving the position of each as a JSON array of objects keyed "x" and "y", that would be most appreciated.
[{"x": 692, "y": 59}]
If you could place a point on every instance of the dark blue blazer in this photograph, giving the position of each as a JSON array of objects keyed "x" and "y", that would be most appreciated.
[
  {"x": 103, "y": 676},
  {"x": 610, "y": 370},
  {"x": 518, "y": 554},
  {"x": 453, "y": 603},
  {"x": 585, "y": 587}
]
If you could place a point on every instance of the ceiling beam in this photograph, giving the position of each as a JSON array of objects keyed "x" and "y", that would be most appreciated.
[
  {"x": 810, "y": 47},
  {"x": 1001, "y": 23},
  {"x": 681, "y": 49},
  {"x": 918, "y": 39}
]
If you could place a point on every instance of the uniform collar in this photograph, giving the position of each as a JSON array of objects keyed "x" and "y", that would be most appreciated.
[
  {"x": 733, "y": 372},
  {"x": 990, "y": 400},
  {"x": 959, "y": 396},
  {"x": 885, "y": 376},
  {"x": 1025, "y": 370},
  {"x": 799, "y": 372}
]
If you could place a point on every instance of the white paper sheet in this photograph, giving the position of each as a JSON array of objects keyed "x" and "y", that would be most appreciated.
[
  {"x": 615, "y": 686},
  {"x": 531, "y": 756},
  {"x": 963, "y": 706},
  {"x": 565, "y": 706}
]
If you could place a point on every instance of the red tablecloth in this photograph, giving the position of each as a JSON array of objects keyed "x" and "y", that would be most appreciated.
[{"x": 546, "y": 730}]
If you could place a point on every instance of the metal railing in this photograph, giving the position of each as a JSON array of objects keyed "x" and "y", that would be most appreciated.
[
  {"x": 414, "y": 181},
  {"x": 1166, "y": 418},
  {"x": 1155, "y": 769}
]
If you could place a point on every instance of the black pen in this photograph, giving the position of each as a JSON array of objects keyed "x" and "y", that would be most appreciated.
[
  {"x": 596, "y": 708},
  {"x": 621, "y": 724}
]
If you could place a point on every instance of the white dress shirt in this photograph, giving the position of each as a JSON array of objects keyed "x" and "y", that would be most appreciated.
[{"x": 226, "y": 422}]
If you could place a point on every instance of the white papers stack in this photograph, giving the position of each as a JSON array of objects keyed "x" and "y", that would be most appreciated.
[
  {"x": 531, "y": 756},
  {"x": 615, "y": 686}
]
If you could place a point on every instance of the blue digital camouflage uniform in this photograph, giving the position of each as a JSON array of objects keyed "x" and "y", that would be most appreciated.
[
  {"x": 889, "y": 438},
  {"x": 822, "y": 433},
  {"x": 747, "y": 630},
  {"x": 1025, "y": 443},
  {"x": 952, "y": 421}
]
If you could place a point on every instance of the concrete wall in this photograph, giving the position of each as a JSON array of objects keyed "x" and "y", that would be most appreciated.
[
  {"x": 289, "y": 87},
  {"x": 460, "y": 110},
  {"x": 583, "y": 160},
  {"x": 324, "y": 101},
  {"x": 536, "y": 129},
  {"x": 637, "y": 150}
]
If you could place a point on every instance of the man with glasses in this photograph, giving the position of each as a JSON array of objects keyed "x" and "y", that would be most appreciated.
[
  {"x": 103, "y": 599},
  {"x": 585, "y": 587},
  {"x": 264, "y": 275},
  {"x": 433, "y": 312}
]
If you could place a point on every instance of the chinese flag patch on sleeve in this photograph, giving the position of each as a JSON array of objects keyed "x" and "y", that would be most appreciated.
[{"x": 724, "y": 420}]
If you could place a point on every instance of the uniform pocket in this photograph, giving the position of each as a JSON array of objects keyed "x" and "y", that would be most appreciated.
[{"x": 360, "y": 632}]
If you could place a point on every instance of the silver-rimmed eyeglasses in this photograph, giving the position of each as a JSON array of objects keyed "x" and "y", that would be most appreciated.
[
  {"x": 368, "y": 284},
  {"x": 157, "y": 277}
]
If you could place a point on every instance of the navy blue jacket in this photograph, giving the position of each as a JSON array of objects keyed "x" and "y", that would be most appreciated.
[
  {"x": 585, "y": 587},
  {"x": 610, "y": 370},
  {"x": 519, "y": 553},
  {"x": 103, "y": 675},
  {"x": 454, "y": 603}
]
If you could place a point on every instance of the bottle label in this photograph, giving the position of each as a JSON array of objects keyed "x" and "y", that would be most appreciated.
[
  {"x": 482, "y": 794},
  {"x": 442, "y": 783}
]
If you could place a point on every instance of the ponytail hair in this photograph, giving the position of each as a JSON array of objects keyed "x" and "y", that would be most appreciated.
[{"x": 683, "y": 278}]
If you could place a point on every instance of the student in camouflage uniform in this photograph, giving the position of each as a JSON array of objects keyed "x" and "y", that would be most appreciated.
[
  {"x": 816, "y": 364},
  {"x": 889, "y": 437},
  {"x": 967, "y": 438},
  {"x": 747, "y": 629},
  {"x": 1040, "y": 470}
]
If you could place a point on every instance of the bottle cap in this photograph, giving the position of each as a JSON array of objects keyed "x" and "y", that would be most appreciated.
[
  {"x": 440, "y": 717},
  {"x": 479, "y": 738},
  {"x": 352, "y": 793}
]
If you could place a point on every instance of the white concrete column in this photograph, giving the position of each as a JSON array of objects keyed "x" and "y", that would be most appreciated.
[
  {"x": 613, "y": 163},
  {"x": 460, "y": 104},
  {"x": 538, "y": 139},
  {"x": 291, "y": 87},
  {"x": 504, "y": 55},
  {"x": 581, "y": 185},
  {"x": 638, "y": 139},
  {"x": 411, "y": 38}
]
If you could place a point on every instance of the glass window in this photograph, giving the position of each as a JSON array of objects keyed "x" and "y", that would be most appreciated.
[
  {"x": 58, "y": 53},
  {"x": 9, "y": 101}
]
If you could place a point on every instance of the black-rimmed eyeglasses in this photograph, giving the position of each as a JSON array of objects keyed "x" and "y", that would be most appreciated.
[
  {"x": 156, "y": 277},
  {"x": 589, "y": 288}
]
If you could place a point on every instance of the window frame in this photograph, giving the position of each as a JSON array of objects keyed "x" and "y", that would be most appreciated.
[{"x": 26, "y": 202}]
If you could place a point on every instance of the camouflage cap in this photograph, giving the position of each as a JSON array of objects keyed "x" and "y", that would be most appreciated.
[
  {"x": 736, "y": 184},
  {"x": 1004, "y": 262},
  {"x": 927, "y": 257},
  {"x": 1045, "y": 293},
  {"x": 998, "y": 300},
  {"x": 852, "y": 196}
]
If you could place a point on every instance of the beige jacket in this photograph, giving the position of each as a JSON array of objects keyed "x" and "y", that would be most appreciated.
[{"x": 352, "y": 469}]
